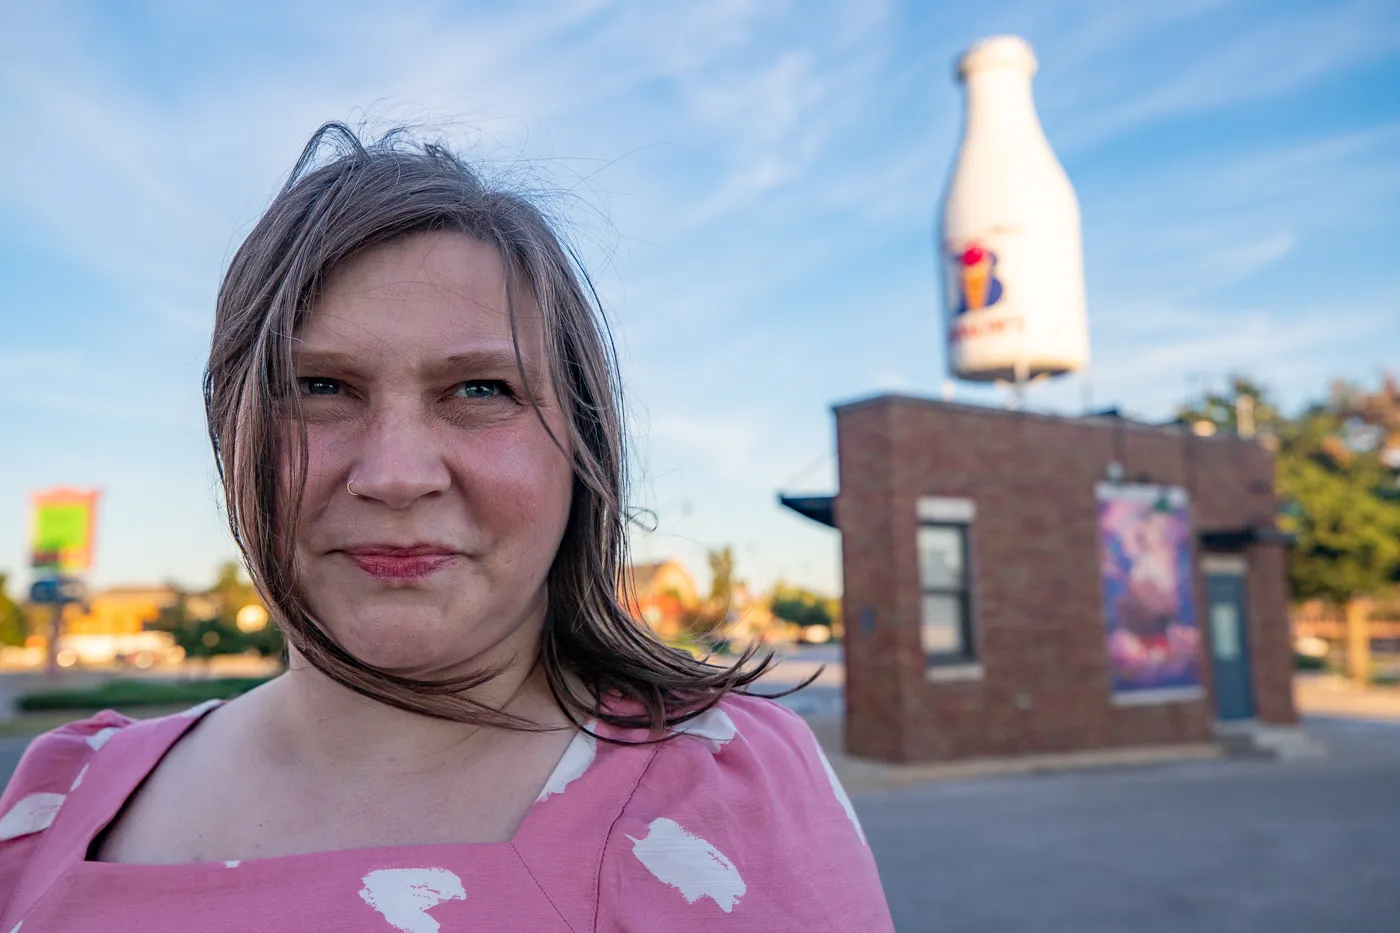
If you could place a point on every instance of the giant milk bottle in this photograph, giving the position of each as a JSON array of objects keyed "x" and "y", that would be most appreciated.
[{"x": 1010, "y": 243}]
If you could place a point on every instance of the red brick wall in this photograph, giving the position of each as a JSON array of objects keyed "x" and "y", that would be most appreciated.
[
  {"x": 875, "y": 650},
  {"x": 1270, "y": 635},
  {"x": 1037, "y": 594}
]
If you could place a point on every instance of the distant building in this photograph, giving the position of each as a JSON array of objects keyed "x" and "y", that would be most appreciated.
[
  {"x": 119, "y": 610},
  {"x": 111, "y": 625},
  {"x": 662, "y": 595}
]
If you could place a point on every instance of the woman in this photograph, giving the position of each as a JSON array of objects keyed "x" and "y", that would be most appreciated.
[{"x": 415, "y": 416}]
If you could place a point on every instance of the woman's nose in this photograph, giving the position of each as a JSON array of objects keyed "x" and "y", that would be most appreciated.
[{"x": 399, "y": 462}]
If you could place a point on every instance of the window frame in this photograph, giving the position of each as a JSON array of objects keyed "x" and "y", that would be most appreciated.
[{"x": 967, "y": 630}]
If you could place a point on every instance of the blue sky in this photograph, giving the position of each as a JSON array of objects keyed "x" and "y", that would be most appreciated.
[{"x": 753, "y": 185}]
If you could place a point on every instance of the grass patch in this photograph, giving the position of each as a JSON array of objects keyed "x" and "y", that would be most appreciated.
[
  {"x": 28, "y": 725},
  {"x": 125, "y": 694}
]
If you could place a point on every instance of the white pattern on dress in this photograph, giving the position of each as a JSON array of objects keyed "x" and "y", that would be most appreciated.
[
  {"x": 403, "y": 896},
  {"x": 233, "y": 863},
  {"x": 31, "y": 814},
  {"x": 689, "y": 864},
  {"x": 194, "y": 712},
  {"x": 577, "y": 758},
  {"x": 100, "y": 737},
  {"x": 712, "y": 727},
  {"x": 840, "y": 792},
  {"x": 79, "y": 779}
]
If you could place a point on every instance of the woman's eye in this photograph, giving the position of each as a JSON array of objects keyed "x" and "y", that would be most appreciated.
[
  {"x": 483, "y": 388},
  {"x": 318, "y": 385}
]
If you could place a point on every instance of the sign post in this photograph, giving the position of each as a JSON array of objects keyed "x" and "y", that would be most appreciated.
[{"x": 65, "y": 524}]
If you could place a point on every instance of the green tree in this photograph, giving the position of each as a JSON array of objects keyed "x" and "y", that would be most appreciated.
[
  {"x": 205, "y": 623},
  {"x": 231, "y": 589},
  {"x": 715, "y": 610},
  {"x": 1348, "y": 536},
  {"x": 1338, "y": 493},
  {"x": 803, "y": 606},
  {"x": 12, "y": 627},
  {"x": 1244, "y": 403},
  {"x": 722, "y": 580}
]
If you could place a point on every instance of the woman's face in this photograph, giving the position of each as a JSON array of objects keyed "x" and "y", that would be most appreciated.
[{"x": 413, "y": 399}]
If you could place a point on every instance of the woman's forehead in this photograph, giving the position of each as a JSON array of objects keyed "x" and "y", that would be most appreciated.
[{"x": 437, "y": 294}]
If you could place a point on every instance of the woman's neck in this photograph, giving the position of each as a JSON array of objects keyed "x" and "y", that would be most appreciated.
[{"x": 311, "y": 723}]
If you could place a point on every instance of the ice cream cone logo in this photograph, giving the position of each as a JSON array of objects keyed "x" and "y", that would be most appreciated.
[{"x": 980, "y": 288}]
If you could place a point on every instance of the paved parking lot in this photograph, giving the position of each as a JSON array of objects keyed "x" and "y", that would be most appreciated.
[{"x": 1227, "y": 845}]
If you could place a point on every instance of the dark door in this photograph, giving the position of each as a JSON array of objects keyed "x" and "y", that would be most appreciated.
[{"x": 1227, "y": 617}]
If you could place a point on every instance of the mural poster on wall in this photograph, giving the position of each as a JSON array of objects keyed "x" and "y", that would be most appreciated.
[{"x": 1154, "y": 637}]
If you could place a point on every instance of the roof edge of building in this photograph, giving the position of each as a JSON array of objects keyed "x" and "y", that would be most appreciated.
[{"x": 1106, "y": 418}]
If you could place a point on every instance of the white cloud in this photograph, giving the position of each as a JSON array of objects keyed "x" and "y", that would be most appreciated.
[
  {"x": 1153, "y": 358},
  {"x": 1183, "y": 231},
  {"x": 727, "y": 445},
  {"x": 1248, "y": 59},
  {"x": 1243, "y": 261}
]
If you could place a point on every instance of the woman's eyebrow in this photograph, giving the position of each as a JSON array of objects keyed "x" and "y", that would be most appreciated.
[
  {"x": 328, "y": 360},
  {"x": 494, "y": 360}
]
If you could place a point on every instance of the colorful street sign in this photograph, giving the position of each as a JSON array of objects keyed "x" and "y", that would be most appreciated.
[
  {"x": 65, "y": 524},
  {"x": 57, "y": 591}
]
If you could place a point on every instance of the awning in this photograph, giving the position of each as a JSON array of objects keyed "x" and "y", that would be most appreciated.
[
  {"x": 1237, "y": 539},
  {"x": 817, "y": 508}
]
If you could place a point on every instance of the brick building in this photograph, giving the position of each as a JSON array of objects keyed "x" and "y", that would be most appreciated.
[{"x": 976, "y": 614}]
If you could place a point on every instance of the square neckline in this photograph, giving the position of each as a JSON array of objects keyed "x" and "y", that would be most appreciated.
[{"x": 196, "y": 715}]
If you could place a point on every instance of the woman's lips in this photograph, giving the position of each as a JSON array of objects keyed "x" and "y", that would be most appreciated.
[{"x": 400, "y": 564}]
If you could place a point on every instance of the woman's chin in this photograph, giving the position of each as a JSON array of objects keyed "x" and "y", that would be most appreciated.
[{"x": 408, "y": 647}]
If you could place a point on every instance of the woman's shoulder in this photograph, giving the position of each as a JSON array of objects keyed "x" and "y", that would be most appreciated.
[
  {"x": 52, "y": 767},
  {"x": 756, "y": 753},
  {"x": 55, "y": 764},
  {"x": 751, "y": 730},
  {"x": 742, "y": 812}
]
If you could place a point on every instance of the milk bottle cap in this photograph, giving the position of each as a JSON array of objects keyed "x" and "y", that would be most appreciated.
[{"x": 998, "y": 52}]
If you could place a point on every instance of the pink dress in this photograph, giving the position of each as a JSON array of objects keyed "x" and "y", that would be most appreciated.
[{"x": 739, "y": 824}]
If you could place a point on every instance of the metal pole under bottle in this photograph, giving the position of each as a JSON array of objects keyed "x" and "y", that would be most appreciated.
[{"x": 1018, "y": 385}]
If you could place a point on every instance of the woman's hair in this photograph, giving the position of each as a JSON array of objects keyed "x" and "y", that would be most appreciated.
[{"x": 331, "y": 210}]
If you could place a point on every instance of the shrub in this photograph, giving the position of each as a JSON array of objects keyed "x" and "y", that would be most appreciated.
[{"x": 126, "y": 693}]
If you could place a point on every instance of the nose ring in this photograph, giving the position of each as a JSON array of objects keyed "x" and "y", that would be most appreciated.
[{"x": 352, "y": 491}]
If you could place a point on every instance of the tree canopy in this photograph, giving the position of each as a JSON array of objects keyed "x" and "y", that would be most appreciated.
[
  {"x": 206, "y": 623},
  {"x": 12, "y": 628},
  {"x": 803, "y": 606},
  {"x": 1338, "y": 464}
]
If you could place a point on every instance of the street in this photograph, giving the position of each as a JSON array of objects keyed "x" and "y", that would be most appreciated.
[{"x": 1228, "y": 845}]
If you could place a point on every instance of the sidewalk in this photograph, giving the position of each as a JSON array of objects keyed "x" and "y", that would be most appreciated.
[{"x": 1330, "y": 695}]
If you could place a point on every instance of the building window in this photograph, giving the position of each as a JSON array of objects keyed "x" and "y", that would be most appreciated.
[{"x": 946, "y": 607}]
